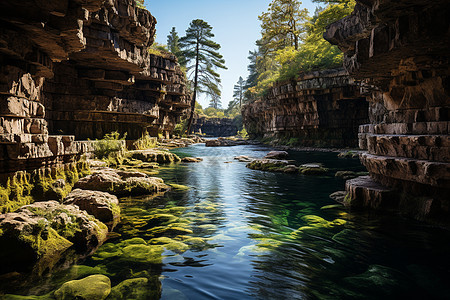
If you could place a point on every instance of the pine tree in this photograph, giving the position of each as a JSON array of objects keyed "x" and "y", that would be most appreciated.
[
  {"x": 173, "y": 41},
  {"x": 215, "y": 102},
  {"x": 252, "y": 68},
  {"x": 282, "y": 25},
  {"x": 202, "y": 59},
  {"x": 239, "y": 90}
]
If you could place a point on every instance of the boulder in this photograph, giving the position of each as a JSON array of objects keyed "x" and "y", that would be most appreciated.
[
  {"x": 244, "y": 158},
  {"x": 271, "y": 165},
  {"x": 121, "y": 182},
  {"x": 192, "y": 159},
  {"x": 94, "y": 287},
  {"x": 224, "y": 142},
  {"x": 277, "y": 155},
  {"x": 46, "y": 230},
  {"x": 153, "y": 155},
  {"x": 103, "y": 206},
  {"x": 313, "y": 169}
]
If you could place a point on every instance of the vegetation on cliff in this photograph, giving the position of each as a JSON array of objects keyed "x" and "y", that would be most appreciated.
[{"x": 291, "y": 43}]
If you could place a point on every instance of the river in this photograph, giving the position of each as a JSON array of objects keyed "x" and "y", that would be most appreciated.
[{"x": 240, "y": 234}]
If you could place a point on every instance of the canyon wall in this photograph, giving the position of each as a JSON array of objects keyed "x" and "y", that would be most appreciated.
[
  {"x": 319, "y": 109},
  {"x": 216, "y": 127},
  {"x": 78, "y": 69},
  {"x": 399, "y": 51}
]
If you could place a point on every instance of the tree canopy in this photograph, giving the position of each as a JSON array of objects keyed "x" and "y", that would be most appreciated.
[
  {"x": 202, "y": 60},
  {"x": 173, "y": 44},
  {"x": 279, "y": 56}
]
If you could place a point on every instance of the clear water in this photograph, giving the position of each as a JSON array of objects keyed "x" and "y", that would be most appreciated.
[{"x": 268, "y": 236}]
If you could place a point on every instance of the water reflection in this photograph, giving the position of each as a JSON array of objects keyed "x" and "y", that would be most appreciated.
[{"x": 227, "y": 232}]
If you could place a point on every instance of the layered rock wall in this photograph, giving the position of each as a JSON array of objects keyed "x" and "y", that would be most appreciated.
[
  {"x": 399, "y": 51},
  {"x": 216, "y": 127},
  {"x": 72, "y": 70},
  {"x": 320, "y": 109}
]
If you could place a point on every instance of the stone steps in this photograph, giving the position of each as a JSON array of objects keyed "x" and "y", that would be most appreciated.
[{"x": 365, "y": 192}]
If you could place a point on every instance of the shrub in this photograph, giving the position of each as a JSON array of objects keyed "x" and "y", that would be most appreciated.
[
  {"x": 110, "y": 148},
  {"x": 145, "y": 142}
]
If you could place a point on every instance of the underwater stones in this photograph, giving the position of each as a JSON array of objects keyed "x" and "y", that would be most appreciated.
[
  {"x": 312, "y": 169},
  {"x": 103, "y": 206},
  {"x": 244, "y": 158},
  {"x": 94, "y": 287},
  {"x": 349, "y": 154},
  {"x": 346, "y": 174},
  {"x": 168, "y": 231},
  {"x": 191, "y": 159},
  {"x": 136, "y": 288},
  {"x": 121, "y": 182},
  {"x": 170, "y": 244},
  {"x": 338, "y": 196},
  {"x": 179, "y": 187},
  {"x": 290, "y": 169},
  {"x": 277, "y": 155},
  {"x": 143, "y": 254},
  {"x": 152, "y": 155}
]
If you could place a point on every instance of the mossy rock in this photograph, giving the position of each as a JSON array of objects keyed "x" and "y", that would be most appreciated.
[
  {"x": 156, "y": 156},
  {"x": 169, "y": 231},
  {"x": 143, "y": 254},
  {"x": 312, "y": 169},
  {"x": 136, "y": 288},
  {"x": 269, "y": 165},
  {"x": 179, "y": 187},
  {"x": 170, "y": 244},
  {"x": 94, "y": 287}
]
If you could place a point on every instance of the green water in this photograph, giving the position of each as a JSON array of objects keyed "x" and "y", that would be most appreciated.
[{"x": 243, "y": 234}]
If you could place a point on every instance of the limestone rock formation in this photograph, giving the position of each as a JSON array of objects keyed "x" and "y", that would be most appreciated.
[
  {"x": 74, "y": 70},
  {"x": 399, "y": 50},
  {"x": 121, "y": 182},
  {"x": 103, "y": 206},
  {"x": 216, "y": 127},
  {"x": 319, "y": 109}
]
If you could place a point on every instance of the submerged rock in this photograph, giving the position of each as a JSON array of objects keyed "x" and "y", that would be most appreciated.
[
  {"x": 94, "y": 287},
  {"x": 313, "y": 169},
  {"x": 271, "y": 165},
  {"x": 277, "y": 155},
  {"x": 192, "y": 159},
  {"x": 153, "y": 155},
  {"x": 244, "y": 158},
  {"x": 137, "y": 288},
  {"x": 101, "y": 205},
  {"x": 121, "y": 182}
]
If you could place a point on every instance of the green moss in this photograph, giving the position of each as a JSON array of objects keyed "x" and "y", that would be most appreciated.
[
  {"x": 313, "y": 170},
  {"x": 136, "y": 288},
  {"x": 143, "y": 254},
  {"x": 94, "y": 287},
  {"x": 170, "y": 244},
  {"x": 145, "y": 142},
  {"x": 179, "y": 187}
]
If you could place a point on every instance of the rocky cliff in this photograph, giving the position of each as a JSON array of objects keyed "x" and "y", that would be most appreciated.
[
  {"x": 399, "y": 50},
  {"x": 320, "y": 109},
  {"x": 216, "y": 127},
  {"x": 73, "y": 69}
]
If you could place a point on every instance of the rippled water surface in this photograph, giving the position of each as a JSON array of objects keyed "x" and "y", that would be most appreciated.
[{"x": 237, "y": 233}]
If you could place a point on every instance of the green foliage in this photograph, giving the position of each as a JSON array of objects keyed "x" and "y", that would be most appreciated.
[
  {"x": 243, "y": 133},
  {"x": 281, "y": 59},
  {"x": 282, "y": 25},
  {"x": 145, "y": 142},
  {"x": 215, "y": 102},
  {"x": 238, "y": 92},
  {"x": 202, "y": 60},
  {"x": 140, "y": 3},
  {"x": 159, "y": 50},
  {"x": 173, "y": 45},
  {"x": 110, "y": 148}
]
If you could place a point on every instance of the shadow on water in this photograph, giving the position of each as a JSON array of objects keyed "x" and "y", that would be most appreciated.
[{"x": 227, "y": 232}]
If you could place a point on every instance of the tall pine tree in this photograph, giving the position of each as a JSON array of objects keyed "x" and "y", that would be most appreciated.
[
  {"x": 238, "y": 91},
  {"x": 173, "y": 44},
  {"x": 202, "y": 59}
]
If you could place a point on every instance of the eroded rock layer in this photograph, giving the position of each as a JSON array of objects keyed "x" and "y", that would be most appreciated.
[
  {"x": 320, "y": 109},
  {"x": 399, "y": 50},
  {"x": 72, "y": 70},
  {"x": 217, "y": 127}
]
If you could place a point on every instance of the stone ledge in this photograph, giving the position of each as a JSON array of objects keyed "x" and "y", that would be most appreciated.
[
  {"x": 436, "y": 174},
  {"x": 365, "y": 192}
]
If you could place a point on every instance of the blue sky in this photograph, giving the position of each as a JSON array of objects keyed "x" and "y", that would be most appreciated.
[{"x": 235, "y": 25}]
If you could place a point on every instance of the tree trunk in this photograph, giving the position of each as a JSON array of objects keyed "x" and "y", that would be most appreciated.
[{"x": 191, "y": 118}]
